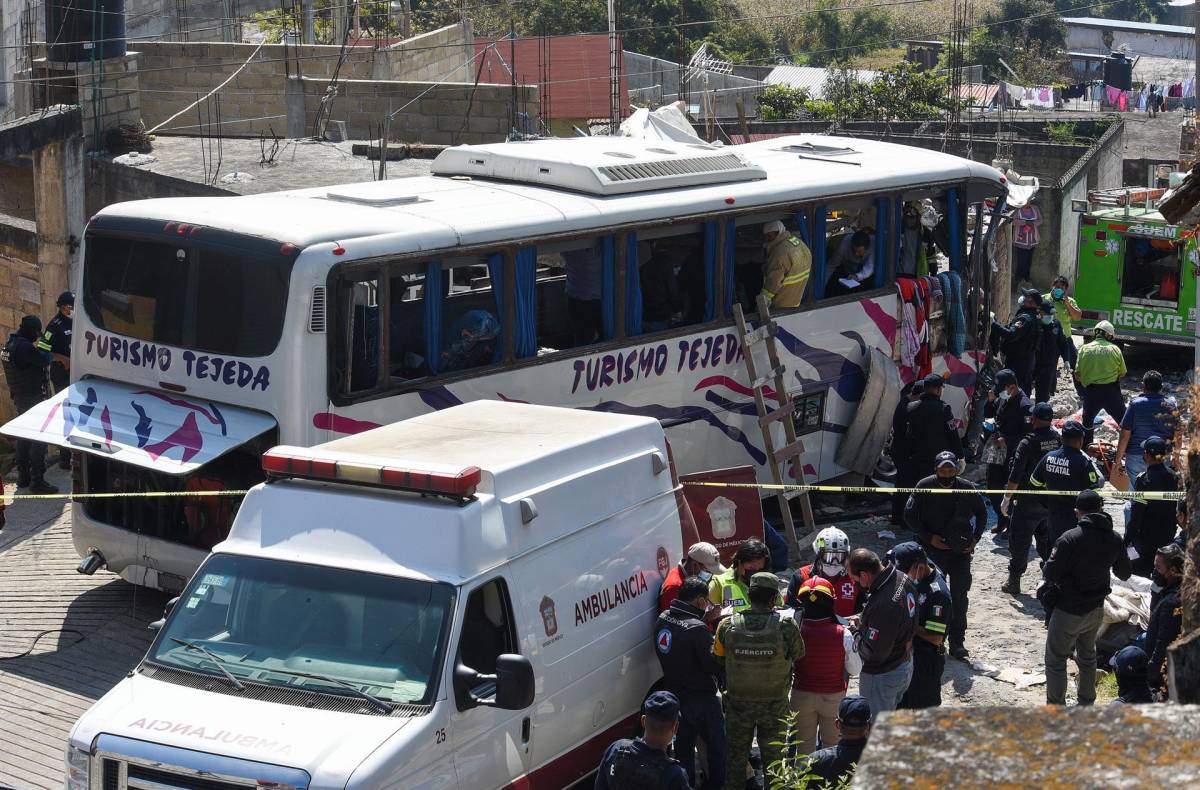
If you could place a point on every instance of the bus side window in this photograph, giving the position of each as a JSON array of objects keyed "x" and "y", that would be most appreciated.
[
  {"x": 471, "y": 334},
  {"x": 672, "y": 277},
  {"x": 357, "y": 356},
  {"x": 851, "y": 242}
]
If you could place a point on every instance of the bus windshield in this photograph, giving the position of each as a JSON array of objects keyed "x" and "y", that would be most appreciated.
[
  {"x": 310, "y": 628},
  {"x": 214, "y": 298}
]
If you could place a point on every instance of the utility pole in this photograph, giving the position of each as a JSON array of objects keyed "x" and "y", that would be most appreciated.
[{"x": 614, "y": 70}]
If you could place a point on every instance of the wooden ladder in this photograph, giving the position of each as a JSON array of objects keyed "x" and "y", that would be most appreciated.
[{"x": 783, "y": 413}]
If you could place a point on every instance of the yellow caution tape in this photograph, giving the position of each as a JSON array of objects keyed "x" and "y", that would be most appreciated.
[{"x": 1147, "y": 495}]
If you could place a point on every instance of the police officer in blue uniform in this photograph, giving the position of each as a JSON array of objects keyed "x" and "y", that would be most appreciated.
[
  {"x": 57, "y": 340},
  {"x": 1066, "y": 469},
  {"x": 1029, "y": 513},
  {"x": 683, "y": 643},
  {"x": 25, "y": 371},
  {"x": 1019, "y": 340},
  {"x": 935, "y": 608},
  {"x": 1014, "y": 411},
  {"x": 854, "y": 723},
  {"x": 642, "y": 763}
]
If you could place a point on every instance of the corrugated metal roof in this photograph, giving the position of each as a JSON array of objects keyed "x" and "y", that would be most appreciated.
[
  {"x": 1120, "y": 24},
  {"x": 977, "y": 93},
  {"x": 576, "y": 68},
  {"x": 811, "y": 78}
]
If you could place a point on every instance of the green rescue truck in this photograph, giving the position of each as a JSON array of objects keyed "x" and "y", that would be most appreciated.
[{"x": 1135, "y": 269}]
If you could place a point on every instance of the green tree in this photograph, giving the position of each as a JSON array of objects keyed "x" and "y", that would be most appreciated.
[
  {"x": 1028, "y": 35},
  {"x": 782, "y": 102},
  {"x": 833, "y": 35},
  {"x": 1128, "y": 10},
  {"x": 898, "y": 93}
]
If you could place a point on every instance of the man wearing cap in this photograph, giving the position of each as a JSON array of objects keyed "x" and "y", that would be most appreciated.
[
  {"x": 821, "y": 676},
  {"x": 788, "y": 264},
  {"x": 1029, "y": 513},
  {"x": 1129, "y": 665},
  {"x": 900, "y": 455},
  {"x": 1098, "y": 370},
  {"x": 1014, "y": 411},
  {"x": 1019, "y": 340},
  {"x": 25, "y": 371},
  {"x": 1166, "y": 614},
  {"x": 1079, "y": 568},
  {"x": 1066, "y": 469},
  {"x": 1149, "y": 414},
  {"x": 931, "y": 429},
  {"x": 948, "y": 527},
  {"x": 885, "y": 629},
  {"x": 57, "y": 340},
  {"x": 702, "y": 560},
  {"x": 935, "y": 610},
  {"x": 1150, "y": 523},
  {"x": 757, "y": 649},
  {"x": 683, "y": 644},
  {"x": 642, "y": 763},
  {"x": 832, "y": 763},
  {"x": 1053, "y": 345}
]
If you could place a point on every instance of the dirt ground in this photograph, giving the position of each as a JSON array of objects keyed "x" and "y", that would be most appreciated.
[{"x": 1005, "y": 634}]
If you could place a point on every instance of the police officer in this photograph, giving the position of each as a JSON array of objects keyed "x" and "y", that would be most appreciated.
[
  {"x": 1166, "y": 614},
  {"x": 1052, "y": 346},
  {"x": 904, "y": 475},
  {"x": 1019, "y": 340},
  {"x": 1098, "y": 370},
  {"x": 57, "y": 340},
  {"x": 1150, "y": 524},
  {"x": 949, "y": 526},
  {"x": 757, "y": 648},
  {"x": 642, "y": 763},
  {"x": 1014, "y": 410},
  {"x": 1129, "y": 665},
  {"x": 932, "y": 429},
  {"x": 934, "y": 615},
  {"x": 684, "y": 647},
  {"x": 1065, "y": 469},
  {"x": 834, "y": 762},
  {"x": 25, "y": 370},
  {"x": 1028, "y": 514},
  {"x": 732, "y": 588}
]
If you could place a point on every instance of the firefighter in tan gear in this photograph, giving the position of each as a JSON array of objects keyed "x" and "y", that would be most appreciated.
[{"x": 789, "y": 262}]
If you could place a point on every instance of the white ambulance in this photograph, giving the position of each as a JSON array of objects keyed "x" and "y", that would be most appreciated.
[{"x": 461, "y": 600}]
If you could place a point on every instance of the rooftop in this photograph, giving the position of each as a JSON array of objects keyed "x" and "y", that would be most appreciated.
[
  {"x": 1135, "y": 27},
  {"x": 811, "y": 78}
]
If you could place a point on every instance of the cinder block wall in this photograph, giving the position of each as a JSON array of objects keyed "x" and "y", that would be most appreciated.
[{"x": 437, "y": 55}]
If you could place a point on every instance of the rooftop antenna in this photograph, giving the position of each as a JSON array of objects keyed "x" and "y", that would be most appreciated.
[{"x": 614, "y": 70}]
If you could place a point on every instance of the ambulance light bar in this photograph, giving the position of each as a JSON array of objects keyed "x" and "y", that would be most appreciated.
[{"x": 461, "y": 484}]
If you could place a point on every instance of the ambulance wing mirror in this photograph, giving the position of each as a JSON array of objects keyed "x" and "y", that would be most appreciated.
[
  {"x": 158, "y": 624},
  {"x": 511, "y": 688}
]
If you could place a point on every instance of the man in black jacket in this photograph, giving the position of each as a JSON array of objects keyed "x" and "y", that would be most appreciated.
[
  {"x": 1052, "y": 346},
  {"x": 683, "y": 644},
  {"x": 948, "y": 526},
  {"x": 932, "y": 429},
  {"x": 1166, "y": 616},
  {"x": 1065, "y": 469},
  {"x": 1029, "y": 513},
  {"x": 1079, "y": 567},
  {"x": 885, "y": 631},
  {"x": 1150, "y": 523},
  {"x": 1019, "y": 339},
  {"x": 25, "y": 367},
  {"x": 904, "y": 476}
]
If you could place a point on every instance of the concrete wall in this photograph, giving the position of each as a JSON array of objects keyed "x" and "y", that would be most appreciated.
[
  {"x": 1091, "y": 39},
  {"x": 20, "y": 285},
  {"x": 437, "y": 55},
  {"x": 433, "y": 112},
  {"x": 654, "y": 82},
  {"x": 108, "y": 183}
]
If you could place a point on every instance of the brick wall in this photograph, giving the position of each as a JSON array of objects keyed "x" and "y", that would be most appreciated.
[
  {"x": 433, "y": 112},
  {"x": 436, "y": 55},
  {"x": 19, "y": 281}
]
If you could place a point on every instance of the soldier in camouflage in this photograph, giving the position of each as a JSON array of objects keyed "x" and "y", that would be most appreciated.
[{"x": 757, "y": 648}]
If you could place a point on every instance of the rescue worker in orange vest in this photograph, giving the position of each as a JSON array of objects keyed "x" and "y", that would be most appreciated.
[
  {"x": 789, "y": 262},
  {"x": 820, "y": 677}
]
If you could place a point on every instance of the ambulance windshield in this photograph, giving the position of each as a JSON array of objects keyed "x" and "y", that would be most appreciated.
[{"x": 328, "y": 631}]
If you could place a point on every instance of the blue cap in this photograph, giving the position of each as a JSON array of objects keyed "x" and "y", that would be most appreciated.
[
  {"x": 1006, "y": 377},
  {"x": 1131, "y": 660},
  {"x": 66, "y": 297},
  {"x": 1155, "y": 445},
  {"x": 907, "y": 554},
  {"x": 1072, "y": 428},
  {"x": 855, "y": 711},
  {"x": 661, "y": 705},
  {"x": 943, "y": 458},
  {"x": 1043, "y": 411},
  {"x": 932, "y": 381},
  {"x": 1088, "y": 501}
]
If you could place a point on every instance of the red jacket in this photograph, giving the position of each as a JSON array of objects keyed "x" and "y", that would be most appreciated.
[
  {"x": 822, "y": 670},
  {"x": 670, "y": 588},
  {"x": 846, "y": 592}
]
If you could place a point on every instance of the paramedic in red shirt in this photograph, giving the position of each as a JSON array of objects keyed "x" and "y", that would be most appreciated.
[
  {"x": 819, "y": 679},
  {"x": 702, "y": 560},
  {"x": 832, "y": 548}
]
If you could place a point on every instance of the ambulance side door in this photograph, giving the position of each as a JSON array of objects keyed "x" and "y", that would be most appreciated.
[{"x": 491, "y": 746}]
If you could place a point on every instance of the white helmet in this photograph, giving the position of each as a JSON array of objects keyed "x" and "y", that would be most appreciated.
[{"x": 833, "y": 548}]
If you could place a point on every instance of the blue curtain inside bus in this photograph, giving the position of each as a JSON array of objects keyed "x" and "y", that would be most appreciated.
[
  {"x": 730, "y": 259},
  {"x": 882, "y": 224},
  {"x": 633, "y": 288},
  {"x": 433, "y": 315},
  {"x": 525, "y": 322},
  {"x": 495, "y": 267},
  {"x": 818, "y": 253},
  {"x": 898, "y": 239},
  {"x": 710, "y": 270},
  {"x": 801, "y": 219},
  {"x": 608, "y": 268},
  {"x": 955, "y": 227}
]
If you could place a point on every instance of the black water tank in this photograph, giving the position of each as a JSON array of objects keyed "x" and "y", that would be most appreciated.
[
  {"x": 1118, "y": 72},
  {"x": 80, "y": 30}
]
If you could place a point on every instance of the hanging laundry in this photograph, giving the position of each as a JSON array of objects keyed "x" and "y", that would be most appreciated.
[
  {"x": 1075, "y": 91},
  {"x": 1123, "y": 102},
  {"x": 1112, "y": 95},
  {"x": 1016, "y": 93},
  {"x": 1141, "y": 100},
  {"x": 1175, "y": 91}
]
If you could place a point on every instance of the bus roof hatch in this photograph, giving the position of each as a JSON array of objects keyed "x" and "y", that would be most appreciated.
[{"x": 600, "y": 165}]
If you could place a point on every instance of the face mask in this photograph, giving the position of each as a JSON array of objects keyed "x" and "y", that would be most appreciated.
[
  {"x": 1057, "y": 293},
  {"x": 704, "y": 576},
  {"x": 1158, "y": 578},
  {"x": 945, "y": 482},
  {"x": 1047, "y": 320}
]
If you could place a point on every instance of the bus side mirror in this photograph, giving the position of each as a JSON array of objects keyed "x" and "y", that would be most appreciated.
[
  {"x": 511, "y": 688},
  {"x": 158, "y": 624}
]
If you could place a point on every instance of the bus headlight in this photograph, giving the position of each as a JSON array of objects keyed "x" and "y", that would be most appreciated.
[{"x": 78, "y": 768}]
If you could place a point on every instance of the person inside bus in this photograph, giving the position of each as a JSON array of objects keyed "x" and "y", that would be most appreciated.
[
  {"x": 657, "y": 266},
  {"x": 471, "y": 341},
  {"x": 852, "y": 263},
  {"x": 915, "y": 241},
  {"x": 584, "y": 272},
  {"x": 789, "y": 262}
]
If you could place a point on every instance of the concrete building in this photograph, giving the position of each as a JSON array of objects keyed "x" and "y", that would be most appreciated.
[{"x": 1102, "y": 36}]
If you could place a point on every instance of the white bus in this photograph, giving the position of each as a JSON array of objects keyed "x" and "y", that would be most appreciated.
[{"x": 595, "y": 273}]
